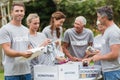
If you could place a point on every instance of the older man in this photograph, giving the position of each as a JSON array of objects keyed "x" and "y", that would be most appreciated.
[
  {"x": 111, "y": 48},
  {"x": 77, "y": 39},
  {"x": 110, "y": 52}
]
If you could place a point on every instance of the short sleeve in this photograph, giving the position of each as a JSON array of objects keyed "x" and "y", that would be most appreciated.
[
  {"x": 114, "y": 38},
  {"x": 4, "y": 36},
  {"x": 66, "y": 37},
  {"x": 91, "y": 38}
]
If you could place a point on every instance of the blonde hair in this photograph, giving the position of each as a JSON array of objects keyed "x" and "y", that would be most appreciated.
[{"x": 31, "y": 16}]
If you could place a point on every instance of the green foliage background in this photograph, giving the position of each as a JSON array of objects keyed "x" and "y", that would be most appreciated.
[
  {"x": 44, "y": 8},
  {"x": 72, "y": 9}
]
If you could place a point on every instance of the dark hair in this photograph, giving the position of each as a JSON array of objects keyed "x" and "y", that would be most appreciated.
[
  {"x": 106, "y": 11},
  {"x": 56, "y": 15},
  {"x": 17, "y": 4}
]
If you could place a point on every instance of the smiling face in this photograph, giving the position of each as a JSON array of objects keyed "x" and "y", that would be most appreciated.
[
  {"x": 78, "y": 26},
  {"x": 105, "y": 15},
  {"x": 18, "y": 13}
]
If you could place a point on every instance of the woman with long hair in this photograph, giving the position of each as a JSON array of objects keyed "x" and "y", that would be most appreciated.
[{"x": 54, "y": 30}]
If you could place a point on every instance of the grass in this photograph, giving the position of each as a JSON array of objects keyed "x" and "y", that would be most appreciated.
[{"x": 1, "y": 75}]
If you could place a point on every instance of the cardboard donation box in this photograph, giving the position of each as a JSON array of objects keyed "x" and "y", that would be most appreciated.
[
  {"x": 71, "y": 71},
  {"x": 42, "y": 72},
  {"x": 68, "y": 71}
]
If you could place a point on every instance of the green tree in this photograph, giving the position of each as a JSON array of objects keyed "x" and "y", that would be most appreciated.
[
  {"x": 86, "y": 8},
  {"x": 44, "y": 8}
]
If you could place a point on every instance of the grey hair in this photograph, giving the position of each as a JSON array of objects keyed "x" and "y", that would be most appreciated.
[
  {"x": 81, "y": 19},
  {"x": 106, "y": 11}
]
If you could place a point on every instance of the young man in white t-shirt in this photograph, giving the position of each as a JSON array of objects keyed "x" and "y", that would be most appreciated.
[{"x": 15, "y": 43}]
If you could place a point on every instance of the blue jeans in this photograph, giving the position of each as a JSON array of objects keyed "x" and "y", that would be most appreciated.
[
  {"x": 19, "y": 77},
  {"x": 112, "y": 75}
]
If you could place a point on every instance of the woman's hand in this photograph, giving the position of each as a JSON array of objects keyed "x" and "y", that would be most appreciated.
[{"x": 46, "y": 42}]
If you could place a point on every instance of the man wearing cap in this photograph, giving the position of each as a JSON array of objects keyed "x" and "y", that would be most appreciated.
[{"x": 77, "y": 39}]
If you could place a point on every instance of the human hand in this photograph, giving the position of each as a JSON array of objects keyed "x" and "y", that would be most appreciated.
[
  {"x": 58, "y": 42},
  {"x": 26, "y": 54},
  {"x": 89, "y": 53},
  {"x": 61, "y": 59},
  {"x": 88, "y": 60},
  {"x": 46, "y": 42},
  {"x": 75, "y": 59},
  {"x": 96, "y": 57}
]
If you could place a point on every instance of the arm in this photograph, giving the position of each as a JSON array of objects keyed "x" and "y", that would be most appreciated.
[
  {"x": 67, "y": 53},
  {"x": 115, "y": 49},
  {"x": 58, "y": 43},
  {"x": 90, "y": 43},
  {"x": 87, "y": 52},
  {"x": 12, "y": 53},
  {"x": 45, "y": 42}
]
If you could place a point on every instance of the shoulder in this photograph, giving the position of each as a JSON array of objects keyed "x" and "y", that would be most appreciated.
[
  {"x": 112, "y": 31},
  {"x": 46, "y": 29},
  {"x": 25, "y": 27},
  {"x": 98, "y": 36},
  {"x": 88, "y": 30},
  {"x": 41, "y": 34},
  {"x": 5, "y": 27},
  {"x": 69, "y": 30}
]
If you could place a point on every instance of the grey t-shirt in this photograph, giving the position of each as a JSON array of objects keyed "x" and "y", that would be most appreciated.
[
  {"x": 98, "y": 41},
  {"x": 47, "y": 32},
  {"x": 97, "y": 44},
  {"x": 18, "y": 37},
  {"x": 36, "y": 41},
  {"x": 45, "y": 58},
  {"x": 78, "y": 42},
  {"x": 111, "y": 36}
]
